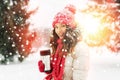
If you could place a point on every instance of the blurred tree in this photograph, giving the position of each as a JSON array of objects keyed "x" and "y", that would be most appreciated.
[
  {"x": 15, "y": 38},
  {"x": 108, "y": 33}
]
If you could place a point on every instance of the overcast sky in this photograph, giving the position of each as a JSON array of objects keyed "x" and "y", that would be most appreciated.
[{"x": 47, "y": 10}]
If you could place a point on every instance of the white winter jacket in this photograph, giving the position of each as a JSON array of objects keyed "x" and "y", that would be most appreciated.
[{"x": 76, "y": 65}]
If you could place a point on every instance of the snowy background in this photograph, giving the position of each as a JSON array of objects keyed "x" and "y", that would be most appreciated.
[{"x": 104, "y": 65}]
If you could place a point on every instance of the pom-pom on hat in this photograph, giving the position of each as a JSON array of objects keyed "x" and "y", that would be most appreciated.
[
  {"x": 71, "y": 8},
  {"x": 66, "y": 16}
]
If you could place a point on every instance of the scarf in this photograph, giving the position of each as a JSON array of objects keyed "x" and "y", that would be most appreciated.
[{"x": 57, "y": 61}]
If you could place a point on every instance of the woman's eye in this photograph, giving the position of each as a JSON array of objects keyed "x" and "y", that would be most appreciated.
[
  {"x": 63, "y": 26},
  {"x": 56, "y": 27}
]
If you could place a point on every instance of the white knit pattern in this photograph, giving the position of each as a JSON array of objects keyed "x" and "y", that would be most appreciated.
[{"x": 76, "y": 68}]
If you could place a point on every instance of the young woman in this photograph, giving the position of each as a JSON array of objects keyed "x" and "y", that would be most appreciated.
[{"x": 69, "y": 57}]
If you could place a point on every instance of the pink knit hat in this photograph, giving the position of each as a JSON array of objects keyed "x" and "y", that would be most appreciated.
[{"x": 66, "y": 16}]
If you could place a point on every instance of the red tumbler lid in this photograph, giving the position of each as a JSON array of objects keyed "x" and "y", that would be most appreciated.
[{"x": 45, "y": 52}]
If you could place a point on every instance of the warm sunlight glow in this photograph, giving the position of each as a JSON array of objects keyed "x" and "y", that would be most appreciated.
[{"x": 90, "y": 24}]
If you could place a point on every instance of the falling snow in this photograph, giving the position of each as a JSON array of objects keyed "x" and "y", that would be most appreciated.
[{"x": 104, "y": 65}]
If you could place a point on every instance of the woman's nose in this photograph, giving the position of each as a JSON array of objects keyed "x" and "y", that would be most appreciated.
[{"x": 59, "y": 30}]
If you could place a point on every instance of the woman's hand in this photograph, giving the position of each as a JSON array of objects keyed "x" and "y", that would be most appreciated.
[{"x": 41, "y": 66}]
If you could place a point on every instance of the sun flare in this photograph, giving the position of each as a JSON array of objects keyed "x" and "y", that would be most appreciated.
[{"x": 90, "y": 24}]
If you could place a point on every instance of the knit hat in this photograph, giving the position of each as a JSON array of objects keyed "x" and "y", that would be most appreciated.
[{"x": 66, "y": 16}]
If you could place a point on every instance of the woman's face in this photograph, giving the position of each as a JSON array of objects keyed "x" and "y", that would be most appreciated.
[{"x": 60, "y": 29}]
